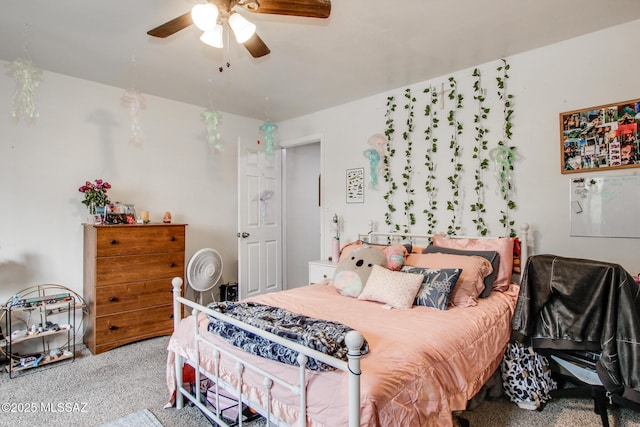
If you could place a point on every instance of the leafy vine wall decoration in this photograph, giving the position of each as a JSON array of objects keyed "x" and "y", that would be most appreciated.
[
  {"x": 504, "y": 155},
  {"x": 432, "y": 147},
  {"x": 501, "y": 157},
  {"x": 453, "y": 205},
  {"x": 479, "y": 152},
  {"x": 408, "y": 168},
  {"x": 388, "y": 176}
]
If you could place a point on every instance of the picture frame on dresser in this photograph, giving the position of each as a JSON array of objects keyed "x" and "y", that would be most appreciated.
[{"x": 127, "y": 282}]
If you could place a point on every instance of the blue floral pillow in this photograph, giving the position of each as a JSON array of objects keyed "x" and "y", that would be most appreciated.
[{"x": 436, "y": 287}]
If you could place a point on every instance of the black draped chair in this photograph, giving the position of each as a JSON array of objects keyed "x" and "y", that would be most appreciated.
[{"x": 584, "y": 316}]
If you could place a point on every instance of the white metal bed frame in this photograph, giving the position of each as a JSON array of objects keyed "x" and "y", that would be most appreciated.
[
  {"x": 399, "y": 237},
  {"x": 354, "y": 341}
]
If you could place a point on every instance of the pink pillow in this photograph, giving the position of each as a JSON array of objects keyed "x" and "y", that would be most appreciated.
[
  {"x": 471, "y": 282},
  {"x": 502, "y": 245}
]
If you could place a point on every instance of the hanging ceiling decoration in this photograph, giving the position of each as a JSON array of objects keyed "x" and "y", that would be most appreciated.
[
  {"x": 212, "y": 120},
  {"x": 27, "y": 77},
  {"x": 269, "y": 129},
  {"x": 211, "y": 18}
]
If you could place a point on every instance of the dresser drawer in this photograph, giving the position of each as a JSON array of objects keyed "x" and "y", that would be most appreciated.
[
  {"x": 112, "y": 241},
  {"x": 132, "y": 296},
  {"x": 122, "y": 326},
  {"x": 137, "y": 268},
  {"x": 321, "y": 270}
]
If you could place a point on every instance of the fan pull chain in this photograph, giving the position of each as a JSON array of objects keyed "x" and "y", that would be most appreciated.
[{"x": 225, "y": 52}]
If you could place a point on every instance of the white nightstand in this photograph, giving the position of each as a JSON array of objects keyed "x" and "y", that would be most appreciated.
[{"x": 320, "y": 270}]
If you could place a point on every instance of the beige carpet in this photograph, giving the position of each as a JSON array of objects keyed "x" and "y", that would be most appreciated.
[
  {"x": 95, "y": 390},
  {"x": 142, "y": 418}
]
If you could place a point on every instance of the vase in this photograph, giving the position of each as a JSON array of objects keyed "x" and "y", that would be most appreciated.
[{"x": 96, "y": 214}]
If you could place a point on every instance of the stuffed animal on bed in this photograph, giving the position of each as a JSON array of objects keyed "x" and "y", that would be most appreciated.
[{"x": 353, "y": 271}]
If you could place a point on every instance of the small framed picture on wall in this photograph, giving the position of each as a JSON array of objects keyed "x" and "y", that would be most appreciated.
[
  {"x": 600, "y": 138},
  {"x": 355, "y": 185}
]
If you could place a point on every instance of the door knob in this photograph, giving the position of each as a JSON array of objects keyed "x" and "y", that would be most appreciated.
[{"x": 244, "y": 234}]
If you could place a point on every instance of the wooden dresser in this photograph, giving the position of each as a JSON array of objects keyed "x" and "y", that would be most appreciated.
[{"x": 127, "y": 282}]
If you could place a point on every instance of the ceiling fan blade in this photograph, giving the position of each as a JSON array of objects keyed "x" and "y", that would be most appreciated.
[
  {"x": 307, "y": 8},
  {"x": 172, "y": 27},
  {"x": 256, "y": 46}
]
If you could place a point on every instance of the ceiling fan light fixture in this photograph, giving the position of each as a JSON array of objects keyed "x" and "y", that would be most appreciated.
[
  {"x": 205, "y": 16},
  {"x": 242, "y": 28},
  {"x": 213, "y": 37}
]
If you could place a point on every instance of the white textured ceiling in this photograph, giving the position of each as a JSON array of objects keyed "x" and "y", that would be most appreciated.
[{"x": 364, "y": 48}]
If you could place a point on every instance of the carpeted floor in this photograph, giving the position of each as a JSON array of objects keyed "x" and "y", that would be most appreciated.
[
  {"x": 144, "y": 418},
  {"x": 95, "y": 390}
]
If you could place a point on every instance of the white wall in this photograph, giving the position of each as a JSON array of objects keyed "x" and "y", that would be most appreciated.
[
  {"x": 83, "y": 133},
  {"x": 588, "y": 71}
]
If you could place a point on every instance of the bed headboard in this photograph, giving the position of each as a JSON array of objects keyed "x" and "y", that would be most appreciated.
[{"x": 425, "y": 239}]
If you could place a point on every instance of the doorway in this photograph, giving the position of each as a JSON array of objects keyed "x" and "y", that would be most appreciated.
[{"x": 301, "y": 211}]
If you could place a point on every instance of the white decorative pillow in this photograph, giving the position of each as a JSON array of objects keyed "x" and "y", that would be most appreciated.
[{"x": 391, "y": 287}]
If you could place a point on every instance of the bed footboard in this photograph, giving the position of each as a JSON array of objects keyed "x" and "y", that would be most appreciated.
[{"x": 354, "y": 341}]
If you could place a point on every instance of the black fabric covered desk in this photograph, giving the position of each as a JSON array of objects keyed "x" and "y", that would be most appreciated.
[{"x": 579, "y": 304}]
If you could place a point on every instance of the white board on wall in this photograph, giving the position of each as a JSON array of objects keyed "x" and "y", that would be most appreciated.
[{"x": 605, "y": 206}]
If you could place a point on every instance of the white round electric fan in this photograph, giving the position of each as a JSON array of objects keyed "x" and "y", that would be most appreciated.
[{"x": 204, "y": 270}]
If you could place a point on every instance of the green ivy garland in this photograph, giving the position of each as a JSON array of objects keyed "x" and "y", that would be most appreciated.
[
  {"x": 388, "y": 177},
  {"x": 432, "y": 147},
  {"x": 408, "y": 168},
  {"x": 479, "y": 151},
  {"x": 454, "y": 178},
  {"x": 504, "y": 155}
]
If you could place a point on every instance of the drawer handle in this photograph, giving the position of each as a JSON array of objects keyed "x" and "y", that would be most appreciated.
[
  {"x": 113, "y": 299},
  {"x": 114, "y": 241},
  {"x": 112, "y": 327},
  {"x": 173, "y": 264},
  {"x": 171, "y": 316},
  {"x": 173, "y": 239}
]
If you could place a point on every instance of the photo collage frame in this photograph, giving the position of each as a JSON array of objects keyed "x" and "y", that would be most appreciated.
[{"x": 600, "y": 138}]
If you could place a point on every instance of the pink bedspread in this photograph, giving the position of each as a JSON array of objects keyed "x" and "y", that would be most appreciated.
[{"x": 423, "y": 363}]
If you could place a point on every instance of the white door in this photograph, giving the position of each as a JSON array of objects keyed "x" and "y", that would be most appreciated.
[{"x": 259, "y": 221}]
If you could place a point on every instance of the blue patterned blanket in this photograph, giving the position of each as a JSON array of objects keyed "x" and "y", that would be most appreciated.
[{"x": 321, "y": 335}]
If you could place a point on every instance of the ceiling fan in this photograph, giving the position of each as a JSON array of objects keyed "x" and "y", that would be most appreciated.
[{"x": 211, "y": 16}]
